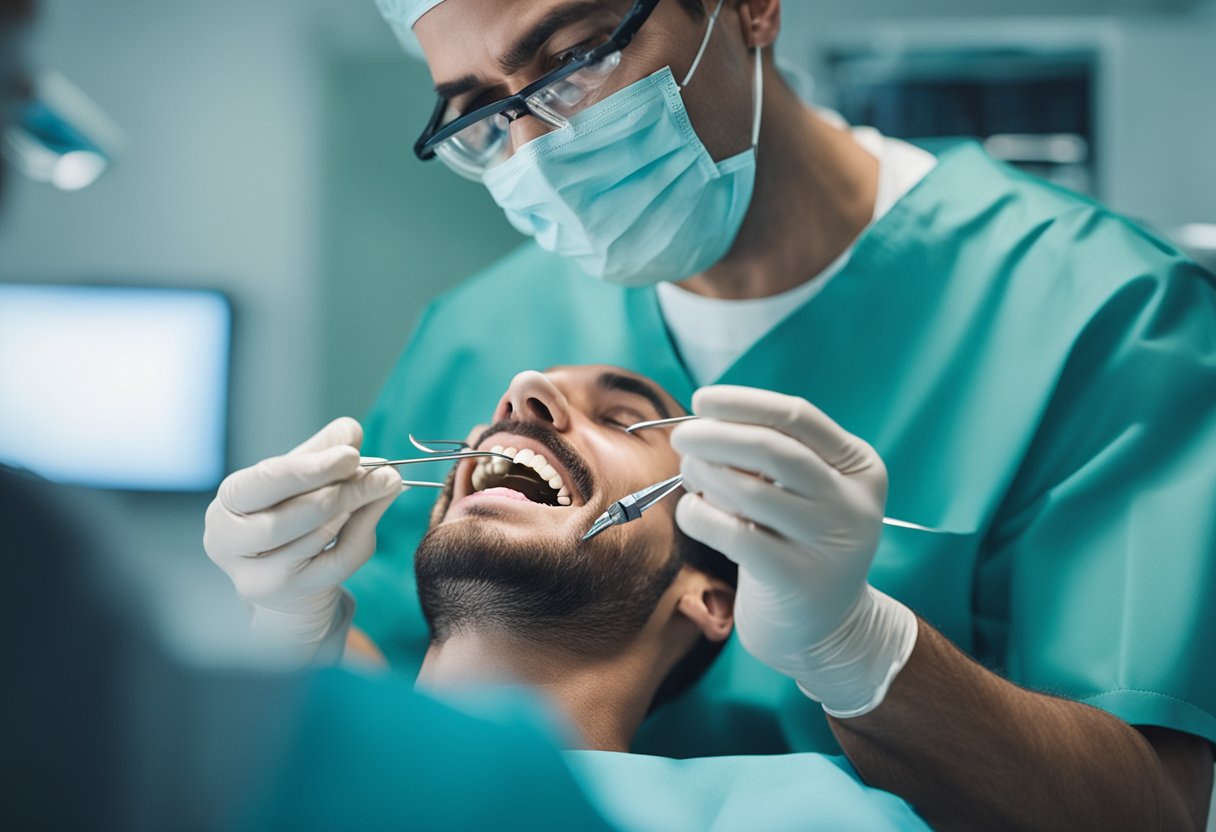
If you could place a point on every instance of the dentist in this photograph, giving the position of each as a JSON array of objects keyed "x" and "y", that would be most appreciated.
[{"x": 1032, "y": 374}]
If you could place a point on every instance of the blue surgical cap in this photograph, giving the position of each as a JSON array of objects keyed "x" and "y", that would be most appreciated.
[{"x": 402, "y": 15}]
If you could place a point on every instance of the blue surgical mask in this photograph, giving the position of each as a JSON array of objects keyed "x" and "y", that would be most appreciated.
[{"x": 628, "y": 191}]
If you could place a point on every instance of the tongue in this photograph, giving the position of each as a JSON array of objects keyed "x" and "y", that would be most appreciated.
[{"x": 509, "y": 493}]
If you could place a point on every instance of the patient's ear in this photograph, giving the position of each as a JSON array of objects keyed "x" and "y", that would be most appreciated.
[{"x": 709, "y": 603}]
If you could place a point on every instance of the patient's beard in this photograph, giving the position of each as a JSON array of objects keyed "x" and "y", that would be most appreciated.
[{"x": 588, "y": 598}]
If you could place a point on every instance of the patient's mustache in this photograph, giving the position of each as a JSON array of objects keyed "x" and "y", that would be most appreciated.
[{"x": 580, "y": 475}]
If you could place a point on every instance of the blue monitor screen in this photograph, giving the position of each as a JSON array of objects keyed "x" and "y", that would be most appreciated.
[{"x": 115, "y": 387}]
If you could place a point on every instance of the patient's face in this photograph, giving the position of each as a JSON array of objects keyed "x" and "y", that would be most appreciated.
[{"x": 505, "y": 548}]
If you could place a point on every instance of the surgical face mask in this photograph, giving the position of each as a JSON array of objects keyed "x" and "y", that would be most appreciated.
[{"x": 628, "y": 191}]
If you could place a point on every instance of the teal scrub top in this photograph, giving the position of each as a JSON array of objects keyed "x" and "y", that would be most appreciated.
[{"x": 1039, "y": 376}]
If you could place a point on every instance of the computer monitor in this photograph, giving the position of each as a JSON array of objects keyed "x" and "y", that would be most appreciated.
[{"x": 115, "y": 387}]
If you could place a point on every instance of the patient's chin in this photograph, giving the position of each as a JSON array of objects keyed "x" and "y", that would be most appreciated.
[
  {"x": 587, "y": 596},
  {"x": 474, "y": 547}
]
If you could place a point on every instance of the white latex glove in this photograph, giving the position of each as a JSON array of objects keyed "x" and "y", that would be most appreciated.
[
  {"x": 289, "y": 530},
  {"x": 797, "y": 502}
]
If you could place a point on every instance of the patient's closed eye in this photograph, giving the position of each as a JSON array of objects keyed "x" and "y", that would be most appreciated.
[{"x": 622, "y": 418}]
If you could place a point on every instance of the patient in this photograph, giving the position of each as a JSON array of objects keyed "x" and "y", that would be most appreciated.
[{"x": 606, "y": 628}]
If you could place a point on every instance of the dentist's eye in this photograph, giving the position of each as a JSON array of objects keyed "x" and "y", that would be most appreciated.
[
  {"x": 572, "y": 55},
  {"x": 580, "y": 50}
]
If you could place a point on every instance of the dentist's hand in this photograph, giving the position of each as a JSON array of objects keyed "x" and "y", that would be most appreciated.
[
  {"x": 797, "y": 502},
  {"x": 289, "y": 530}
]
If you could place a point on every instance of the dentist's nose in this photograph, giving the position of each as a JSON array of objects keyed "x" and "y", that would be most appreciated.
[
  {"x": 525, "y": 129},
  {"x": 532, "y": 397}
]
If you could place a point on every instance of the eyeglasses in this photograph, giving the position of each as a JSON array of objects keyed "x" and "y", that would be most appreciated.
[{"x": 473, "y": 143}]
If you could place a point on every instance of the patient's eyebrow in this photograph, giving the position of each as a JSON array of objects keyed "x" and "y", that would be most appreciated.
[{"x": 628, "y": 384}]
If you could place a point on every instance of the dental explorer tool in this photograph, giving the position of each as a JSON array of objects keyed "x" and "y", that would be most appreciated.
[
  {"x": 605, "y": 522},
  {"x": 630, "y": 508},
  {"x": 369, "y": 462}
]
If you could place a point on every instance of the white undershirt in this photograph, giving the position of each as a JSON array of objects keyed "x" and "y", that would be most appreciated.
[{"x": 712, "y": 334}]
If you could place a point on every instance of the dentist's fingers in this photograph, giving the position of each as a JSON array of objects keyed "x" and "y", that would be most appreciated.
[
  {"x": 263, "y": 531},
  {"x": 343, "y": 431},
  {"x": 318, "y": 561},
  {"x": 280, "y": 478},
  {"x": 259, "y": 578},
  {"x": 303, "y": 548},
  {"x": 792, "y": 416},
  {"x": 770, "y": 559},
  {"x": 789, "y": 515},
  {"x": 355, "y": 546},
  {"x": 760, "y": 450}
]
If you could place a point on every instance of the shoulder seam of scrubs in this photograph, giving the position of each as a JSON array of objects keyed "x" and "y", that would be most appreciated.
[
  {"x": 1189, "y": 718},
  {"x": 1171, "y": 697}
]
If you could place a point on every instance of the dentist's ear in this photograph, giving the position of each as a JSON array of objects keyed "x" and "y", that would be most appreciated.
[
  {"x": 761, "y": 22},
  {"x": 709, "y": 603}
]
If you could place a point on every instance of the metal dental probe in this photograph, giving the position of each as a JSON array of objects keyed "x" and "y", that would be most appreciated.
[
  {"x": 375, "y": 462},
  {"x": 630, "y": 508}
]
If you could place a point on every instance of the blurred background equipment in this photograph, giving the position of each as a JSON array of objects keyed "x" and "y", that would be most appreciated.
[
  {"x": 115, "y": 387},
  {"x": 1030, "y": 106},
  {"x": 61, "y": 137},
  {"x": 1102, "y": 99},
  {"x": 1198, "y": 239}
]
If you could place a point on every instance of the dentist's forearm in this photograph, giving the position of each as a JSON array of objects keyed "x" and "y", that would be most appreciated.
[
  {"x": 362, "y": 653},
  {"x": 971, "y": 750}
]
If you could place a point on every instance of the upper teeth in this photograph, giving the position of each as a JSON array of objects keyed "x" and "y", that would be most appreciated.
[{"x": 495, "y": 465}]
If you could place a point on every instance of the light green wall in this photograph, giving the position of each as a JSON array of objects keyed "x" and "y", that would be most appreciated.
[{"x": 395, "y": 232}]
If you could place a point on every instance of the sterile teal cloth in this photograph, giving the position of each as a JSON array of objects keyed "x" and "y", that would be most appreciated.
[
  {"x": 369, "y": 753},
  {"x": 1039, "y": 376}
]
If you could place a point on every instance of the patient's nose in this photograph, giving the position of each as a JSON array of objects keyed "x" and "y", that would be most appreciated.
[{"x": 532, "y": 397}]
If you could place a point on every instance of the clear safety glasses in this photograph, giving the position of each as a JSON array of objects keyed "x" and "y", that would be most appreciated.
[{"x": 472, "y": 143}]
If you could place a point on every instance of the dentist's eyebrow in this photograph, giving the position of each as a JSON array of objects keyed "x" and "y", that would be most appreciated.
[
  {"x": 628, "y": 384},
  {"x": 466, "y": 83},
  {"x": 524, "y": 51}
]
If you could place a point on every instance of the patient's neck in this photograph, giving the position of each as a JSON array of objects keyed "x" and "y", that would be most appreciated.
[{"x": 604, "y": 699}]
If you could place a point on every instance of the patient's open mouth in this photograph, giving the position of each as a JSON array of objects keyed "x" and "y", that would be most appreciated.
[{"x": 530, "y": 474}]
